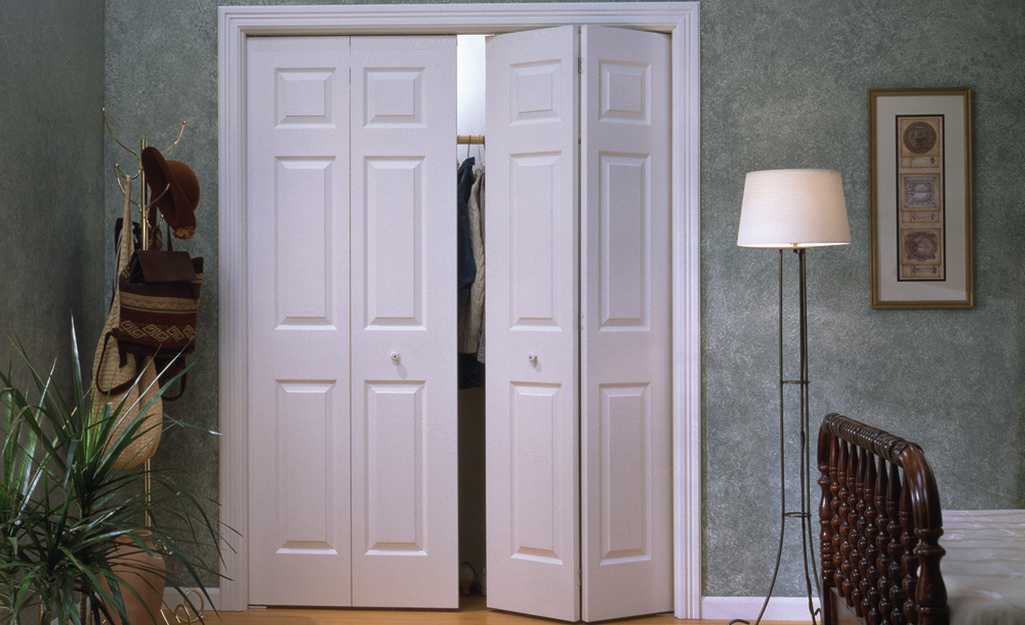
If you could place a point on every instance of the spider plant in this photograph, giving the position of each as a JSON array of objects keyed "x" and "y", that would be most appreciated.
[{"x": 64, "y": 501}]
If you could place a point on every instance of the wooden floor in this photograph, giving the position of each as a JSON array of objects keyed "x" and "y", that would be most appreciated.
[{"x": 472, "y": 611}]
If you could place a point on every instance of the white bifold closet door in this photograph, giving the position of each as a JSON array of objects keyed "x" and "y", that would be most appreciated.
[
  {"x": 352, "y": 366},
  {"x": 579, "y": 389}
]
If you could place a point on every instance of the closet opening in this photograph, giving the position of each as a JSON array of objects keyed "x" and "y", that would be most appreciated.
[{"x": 472, "y": 354}]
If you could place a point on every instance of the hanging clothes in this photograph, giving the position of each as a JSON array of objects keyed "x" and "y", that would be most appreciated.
[
  {"x": 478, "y": 191},
  {"x": 471, "y": 372},
  {"x": 467, "y": 269},
  {"x": 471, "y": 315}
]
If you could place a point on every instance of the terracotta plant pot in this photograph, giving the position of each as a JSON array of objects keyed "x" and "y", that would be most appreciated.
[{"x": 144, "y": 573}]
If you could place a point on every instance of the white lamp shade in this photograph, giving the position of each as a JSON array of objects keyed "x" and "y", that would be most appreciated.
[{"x": 793, "y": 208}]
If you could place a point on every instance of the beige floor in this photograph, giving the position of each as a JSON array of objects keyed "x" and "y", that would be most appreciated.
[{"x": 472, "y": 610}]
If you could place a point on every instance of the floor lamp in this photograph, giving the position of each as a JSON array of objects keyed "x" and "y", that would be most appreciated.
[{"x": 794, "y": 209}]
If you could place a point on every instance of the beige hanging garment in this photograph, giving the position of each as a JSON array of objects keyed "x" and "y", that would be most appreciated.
[
  {"x": 114, "y": 373},
  {"x": 472, "y": 314}
]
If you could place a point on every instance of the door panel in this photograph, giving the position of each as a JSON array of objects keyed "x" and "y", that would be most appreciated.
[
  {"x": 298, "y": 326},
  {"x": 532, "y": 317},
  {"x": 404, "y": 460},
  {"x": 626, "y": 362}
]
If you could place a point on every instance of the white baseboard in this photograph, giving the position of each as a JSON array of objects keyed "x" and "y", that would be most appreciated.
[
  {"x": 174, "y": 599},
  {"x": 712, "y": 608},
  {"x": 747, "y": 608}
]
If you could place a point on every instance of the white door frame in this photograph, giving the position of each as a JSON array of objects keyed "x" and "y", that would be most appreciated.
[{"x": 679, "y": 19}]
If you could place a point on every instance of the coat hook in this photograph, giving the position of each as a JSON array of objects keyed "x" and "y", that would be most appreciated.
[
  {"x": 106, "y": 121},
  {"x": 145, "y": 208}
]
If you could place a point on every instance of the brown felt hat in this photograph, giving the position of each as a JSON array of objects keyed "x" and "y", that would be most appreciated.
[{"x": 176, "y": 189}]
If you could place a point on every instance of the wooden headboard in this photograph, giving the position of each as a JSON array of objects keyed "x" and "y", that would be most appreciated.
[{"x": 880, "y": 526}]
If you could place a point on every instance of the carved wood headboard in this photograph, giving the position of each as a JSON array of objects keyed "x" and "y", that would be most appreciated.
[{"x": 880, "y": 526}]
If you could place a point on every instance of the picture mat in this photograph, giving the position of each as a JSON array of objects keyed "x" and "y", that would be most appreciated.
[{"x": 955, "y": 288}]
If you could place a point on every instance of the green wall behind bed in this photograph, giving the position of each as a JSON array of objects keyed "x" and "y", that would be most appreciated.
[{"x": 784, "y": 84}]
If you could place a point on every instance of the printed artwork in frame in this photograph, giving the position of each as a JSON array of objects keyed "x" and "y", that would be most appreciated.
[{"x": 920, "y": 147}]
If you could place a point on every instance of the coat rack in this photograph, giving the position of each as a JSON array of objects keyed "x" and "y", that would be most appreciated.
[
  {"x": 148, "y": 216},
  {"x": 149, "y": 222}
]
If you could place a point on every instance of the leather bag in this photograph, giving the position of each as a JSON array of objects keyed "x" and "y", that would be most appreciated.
[{"x": 159, "y": 293}]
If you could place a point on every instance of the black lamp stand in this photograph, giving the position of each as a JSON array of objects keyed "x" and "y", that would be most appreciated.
[{"x": 804, "y": 514}]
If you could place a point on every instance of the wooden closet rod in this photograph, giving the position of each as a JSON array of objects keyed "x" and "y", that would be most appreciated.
[{"x": 478, "y": 139}]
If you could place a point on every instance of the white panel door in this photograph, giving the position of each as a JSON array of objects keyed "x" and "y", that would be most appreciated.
[
  {"x": 404, "y": 291},
  {"x": 626, "y": 360},
  {"x": 532, "y": 318},
  {"x": 298, "y": 327}
]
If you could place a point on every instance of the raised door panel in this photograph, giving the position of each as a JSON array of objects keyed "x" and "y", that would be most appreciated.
[
  {"x": 298, "y": 326},
  {"x": 626, "y": 337},
  {"x": 404, "y": 478},
  {"x": 532, "y": 317}
]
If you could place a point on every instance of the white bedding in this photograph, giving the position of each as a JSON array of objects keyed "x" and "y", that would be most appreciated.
[{"x": 984, "y": 569}]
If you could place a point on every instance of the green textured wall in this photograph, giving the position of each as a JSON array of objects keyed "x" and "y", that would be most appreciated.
[
  {"x": 784, "y": 84},
  {"x": 51, "y": 168}
]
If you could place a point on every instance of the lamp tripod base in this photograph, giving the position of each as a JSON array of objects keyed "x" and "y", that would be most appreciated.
[{"x": 804, "y": 514}]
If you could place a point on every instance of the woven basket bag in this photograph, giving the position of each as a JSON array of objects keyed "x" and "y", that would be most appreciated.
[{"x": 114, "y": 373}]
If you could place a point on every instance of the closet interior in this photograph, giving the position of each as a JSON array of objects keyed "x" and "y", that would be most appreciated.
[{"x": 471, "y": 144}]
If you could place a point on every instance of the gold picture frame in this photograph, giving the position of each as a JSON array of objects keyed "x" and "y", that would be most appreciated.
[{"x": 920, "y": 169}]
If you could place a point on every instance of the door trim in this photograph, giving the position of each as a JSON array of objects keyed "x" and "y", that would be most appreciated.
[{"x": 679, "y": 19}]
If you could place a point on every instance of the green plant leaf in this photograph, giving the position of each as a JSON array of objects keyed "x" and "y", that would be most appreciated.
[{"x": 64, "y": 501}]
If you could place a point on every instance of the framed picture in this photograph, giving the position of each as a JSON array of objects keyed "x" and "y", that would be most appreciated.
[{"x": 920, "y": 164}]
